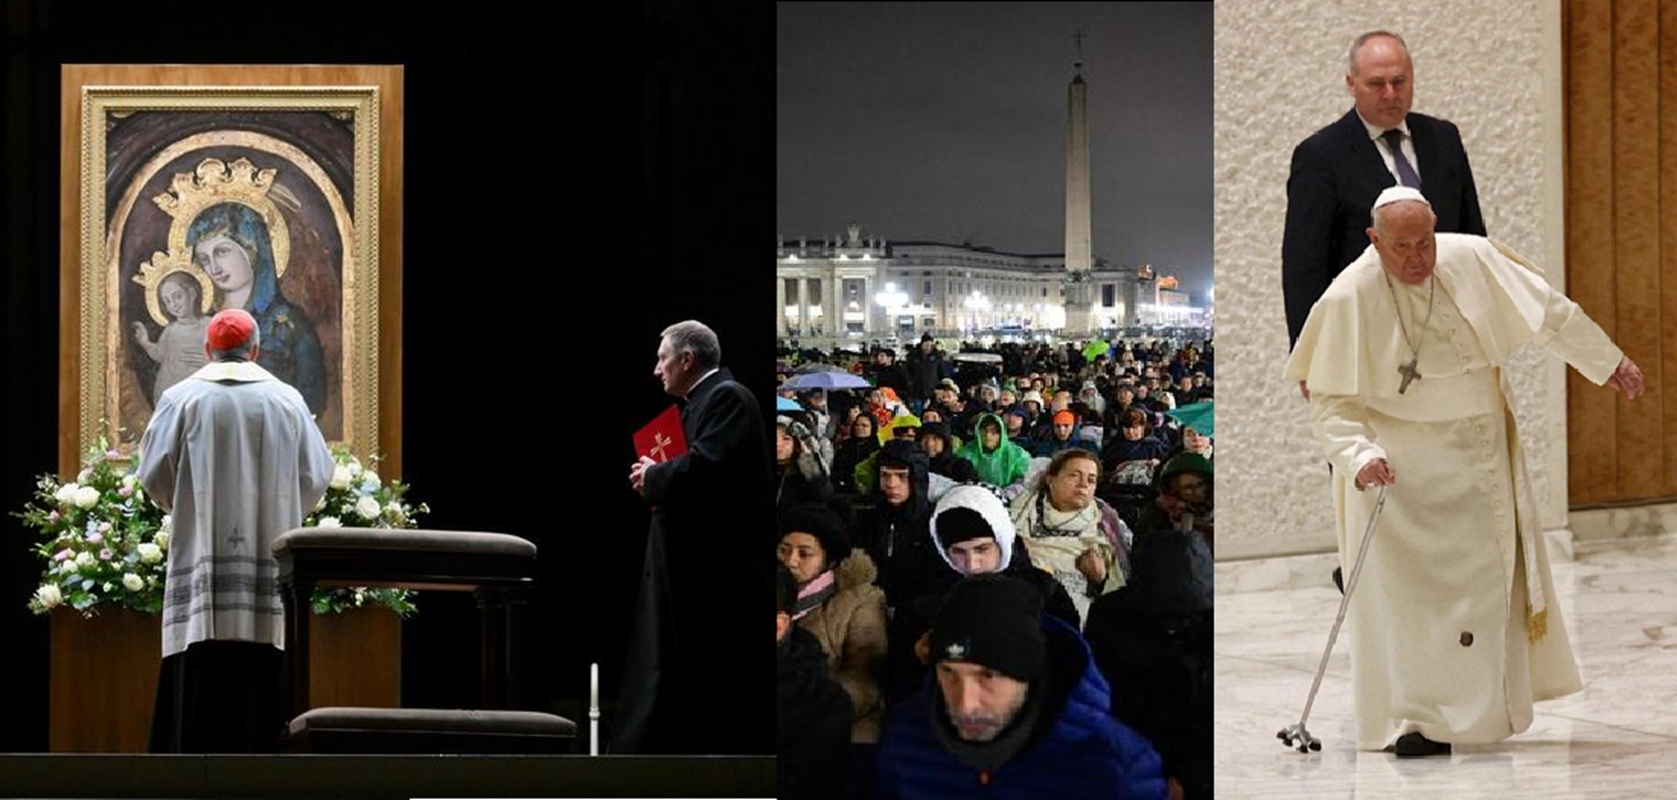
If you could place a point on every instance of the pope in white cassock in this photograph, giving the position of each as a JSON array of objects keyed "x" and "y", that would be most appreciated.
[{"x": 1454, "y": 626}]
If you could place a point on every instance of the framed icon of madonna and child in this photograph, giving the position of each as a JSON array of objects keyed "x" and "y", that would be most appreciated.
[{"x": 198, "y": 189}]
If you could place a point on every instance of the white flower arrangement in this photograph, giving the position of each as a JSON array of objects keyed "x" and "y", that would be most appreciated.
[{"x": 357, "y": 498}]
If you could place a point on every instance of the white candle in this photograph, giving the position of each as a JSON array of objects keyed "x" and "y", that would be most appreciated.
[{"x": 593, "y": 709}]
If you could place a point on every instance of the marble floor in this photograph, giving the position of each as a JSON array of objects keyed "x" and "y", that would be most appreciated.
[{"x": 1617, "y": 738}]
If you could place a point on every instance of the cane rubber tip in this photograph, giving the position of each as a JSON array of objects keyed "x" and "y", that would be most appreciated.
[{"x": 1317, "y": 746}]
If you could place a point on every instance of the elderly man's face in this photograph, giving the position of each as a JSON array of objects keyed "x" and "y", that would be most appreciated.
[
  {"x": 675, "y": 369},
  {"x": 981, "y": 702},
  {"x": 1408, "y": 247},
  {"x": 1381, "y": 82}
]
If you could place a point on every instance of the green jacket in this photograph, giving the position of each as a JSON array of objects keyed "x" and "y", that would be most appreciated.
[{"x": 1003, "y": 466}]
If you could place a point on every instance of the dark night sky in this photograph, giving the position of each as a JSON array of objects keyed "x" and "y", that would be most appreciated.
[{"x": 947, "y": 121}]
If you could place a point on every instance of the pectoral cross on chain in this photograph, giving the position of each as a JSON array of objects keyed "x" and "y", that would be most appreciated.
[
  {"x": 659, "y": 442},
  {"x": 1409, "y": 373}
]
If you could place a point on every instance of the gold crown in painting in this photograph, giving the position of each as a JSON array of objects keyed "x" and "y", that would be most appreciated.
[{"x": 215, "y": 182}]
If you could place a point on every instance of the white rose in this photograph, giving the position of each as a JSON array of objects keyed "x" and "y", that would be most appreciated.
[
  {"x": 150, "y": 553},
  {"x": 66, "y": 493},
  {"x": 329, "y": 522},
  {"x": 84, "y": 559},
  {"x": 82, "y": 476},
  {"x": 162, "y": 538},
  {"x": 49, "y": 596},
  {"x": 168, "y": 523},
  {"x": 341, "y": 477},
  {"x": 355, "y": 467},
  {"x": 370, "y": 480},
  {"x": 367, "y": 507},
  {"x": 133, "y": 582},
  {"x": 87, "y": 497}
]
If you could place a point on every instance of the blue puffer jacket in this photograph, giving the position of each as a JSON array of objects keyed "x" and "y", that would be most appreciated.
[{"x": 1082, "y": 753}]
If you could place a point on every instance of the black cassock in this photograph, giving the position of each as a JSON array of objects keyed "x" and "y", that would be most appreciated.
[{"x": 697, "y": 678}]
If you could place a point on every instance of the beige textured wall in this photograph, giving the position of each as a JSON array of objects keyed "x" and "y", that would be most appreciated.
[{"x": 1491, "y": 67}]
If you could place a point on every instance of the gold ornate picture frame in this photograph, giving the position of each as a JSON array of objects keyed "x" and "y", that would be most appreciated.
[{"x": 194, "y": 198}]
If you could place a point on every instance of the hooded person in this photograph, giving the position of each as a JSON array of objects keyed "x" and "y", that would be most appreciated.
[
  {"x": 1185, "y": 500},
  {"x": 971, "y": 530},
  {"x": 1156, "y": 632},
  {"x": 799, "y": 477},
  {"x": 936, "y": 440},
  {"x": 901, "y": 427},
  {"x": 999, "y": 462},
  {"x": 894, "y": 529},
  {"x": 1016, "y": 709},
  {"x": 813, "y": 714}
]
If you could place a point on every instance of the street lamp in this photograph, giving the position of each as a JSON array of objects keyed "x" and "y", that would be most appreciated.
[
  {"x": 889, "y": 300},
  {"x": 976, "y": 303}
]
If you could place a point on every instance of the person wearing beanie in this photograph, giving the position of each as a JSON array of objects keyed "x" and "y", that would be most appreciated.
[
  {"x": 1064, "y": 433},
  {"x": 935, "y": 439},
  {"x": 1015, "y": 709},
  {"x": 999, "y": 462},
  {"x": 812, "y": 713},
  {"x": 838, "y": 603},
  {"x": 234, "y": 454}
]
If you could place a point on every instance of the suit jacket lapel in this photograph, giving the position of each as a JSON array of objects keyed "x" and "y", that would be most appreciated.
[
  {"x": 1426, "y": 151},
  {"x": 1364, "y": 153}
]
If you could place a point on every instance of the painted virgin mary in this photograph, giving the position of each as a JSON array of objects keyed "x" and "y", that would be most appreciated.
[{"x": 230, "y": 242}]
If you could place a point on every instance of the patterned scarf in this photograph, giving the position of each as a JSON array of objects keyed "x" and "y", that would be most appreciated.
[{"x": 821, "y": 588}]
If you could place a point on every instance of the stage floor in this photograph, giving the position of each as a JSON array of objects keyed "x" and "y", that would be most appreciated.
[
  {"x": 1617, "y": 738},
  {"x": 323, "y": 776}
]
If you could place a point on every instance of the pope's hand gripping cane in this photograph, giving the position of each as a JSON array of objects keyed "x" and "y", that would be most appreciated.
[{"x": 1296, "y": 735}]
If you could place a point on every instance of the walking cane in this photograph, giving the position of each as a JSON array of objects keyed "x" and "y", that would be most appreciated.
[{"x": 1297, "y": 736}]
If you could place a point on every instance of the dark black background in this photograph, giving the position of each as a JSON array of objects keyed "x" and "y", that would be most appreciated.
[{"x": 572, "y": 185}]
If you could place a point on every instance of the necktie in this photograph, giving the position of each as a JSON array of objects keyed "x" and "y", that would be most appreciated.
[{"x": 1406, "y": 173}]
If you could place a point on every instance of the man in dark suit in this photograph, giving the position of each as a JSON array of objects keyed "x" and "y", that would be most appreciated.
[
  {"x": 1339, "y": 171},
  {"x": 712, "y": 520}
]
